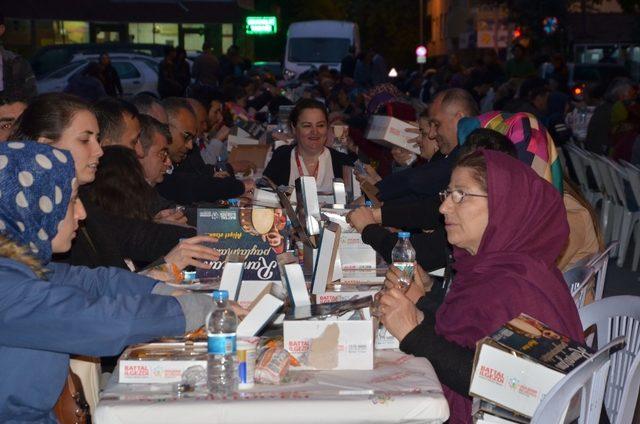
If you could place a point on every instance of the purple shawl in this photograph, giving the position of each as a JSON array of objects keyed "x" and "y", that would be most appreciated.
[{"x": 514, "y": 269}]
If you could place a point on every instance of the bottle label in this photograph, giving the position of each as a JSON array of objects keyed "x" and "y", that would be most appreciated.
[
  {"x": 406, "y": 268},
  {"x": 221, "y": 343}
]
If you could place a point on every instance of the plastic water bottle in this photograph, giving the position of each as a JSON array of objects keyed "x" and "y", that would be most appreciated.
[
  {"x": 403, "y": 257},
  {"x": 221, "y": 346}
]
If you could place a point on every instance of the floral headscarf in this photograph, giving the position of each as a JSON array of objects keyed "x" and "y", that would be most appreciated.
[{"x": 35, "y": 189}]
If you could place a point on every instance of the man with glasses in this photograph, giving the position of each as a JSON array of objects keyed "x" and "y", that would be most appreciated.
[
  {"x": 186, "y": 184},
  {"x": 10, "y": 109}
]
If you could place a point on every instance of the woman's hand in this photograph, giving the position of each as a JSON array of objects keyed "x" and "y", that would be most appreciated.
[
  {"x": 418, "y": 287},
  {"x": 370, "y": 175},
  {"x": 398, "y": 313},
  {"x": 239, "y": 310},
  {"x": 171, "y": 216},
  {"x": 360, "y": 218},
  {"x": 191, "y": 252}
]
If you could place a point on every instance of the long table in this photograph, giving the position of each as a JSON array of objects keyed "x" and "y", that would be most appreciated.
[{"x": 400, "y": 389}]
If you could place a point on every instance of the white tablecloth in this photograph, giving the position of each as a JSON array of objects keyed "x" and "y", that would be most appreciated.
[{"x": 401, "y": 389}]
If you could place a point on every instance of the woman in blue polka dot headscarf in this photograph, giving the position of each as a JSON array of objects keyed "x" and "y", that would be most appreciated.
[
  {"x": 50, "y": 310},
  {"x": 36, "y": 183}
]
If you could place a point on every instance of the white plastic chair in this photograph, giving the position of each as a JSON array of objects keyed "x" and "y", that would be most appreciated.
[
  {"x": 613, "y": 317},
  {"x": 580, "y": 164},
  {"x": 626, "y": 218},
  {"x": 600, "y": 263},
  {"x": 616, "y": 204},
  {"x": 578, "y": 279},
  {"x": 633, "y": 174},
  {"x": 589, "y": 378}
]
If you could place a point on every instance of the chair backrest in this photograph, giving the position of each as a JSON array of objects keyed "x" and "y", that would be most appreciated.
[
  {"x": 579, "y": 165},
  {"x": 590, "y": 161},
  {"x": 605, "y": 175},
  {"x": 633, "y": 173},
  {"x": 599, "y": 263},
  {"x": 613, "y": 317},
  {"x": 618, "y": 176},
  {"x": 589, "y": 378},
  {"x": 578, "y": 279}
]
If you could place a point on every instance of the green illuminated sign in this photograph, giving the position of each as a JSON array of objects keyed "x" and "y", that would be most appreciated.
[{"x": 260, "y": 25}]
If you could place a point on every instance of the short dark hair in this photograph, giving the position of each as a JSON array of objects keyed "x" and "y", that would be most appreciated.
[
  {"x": 110, "y": 114},
  {"x": 172, "y": 106},
  {"x": 487, "y": 139},
  {"x": 460, "y": 97},
  {"x": 48, "y": 115},
  {"x": 303, "y": 104},
  {"x": 148, "y": 127},
  {"x": 144, "y": 102}
]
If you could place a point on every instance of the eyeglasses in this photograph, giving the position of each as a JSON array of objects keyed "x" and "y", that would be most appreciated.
[
  {"x": 457, "y": 195},
  {"x": 186, "y": 134}
]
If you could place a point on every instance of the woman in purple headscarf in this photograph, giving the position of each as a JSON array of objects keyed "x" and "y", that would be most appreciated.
[{"x": 507, "y": 226}]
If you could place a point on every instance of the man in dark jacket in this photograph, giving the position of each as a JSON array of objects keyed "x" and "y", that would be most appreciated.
[{"x": 191, "y": 184}]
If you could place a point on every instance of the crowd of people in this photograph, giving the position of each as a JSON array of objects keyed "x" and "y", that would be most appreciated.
[{"x": 100, "y": 196}]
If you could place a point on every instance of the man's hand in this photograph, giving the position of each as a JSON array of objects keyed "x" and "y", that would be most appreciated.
[{"x": 370, "y": 175}]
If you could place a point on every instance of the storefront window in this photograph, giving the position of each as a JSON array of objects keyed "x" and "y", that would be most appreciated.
[{"x": 76, "y": 32}]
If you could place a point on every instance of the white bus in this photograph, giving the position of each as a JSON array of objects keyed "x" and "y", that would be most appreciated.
[{"x": 316, "y": 43}]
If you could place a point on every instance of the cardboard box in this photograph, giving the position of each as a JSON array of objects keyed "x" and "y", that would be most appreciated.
[
  {"x": 156, "y": 366},
  {"x": 520, "y": 363},
  {"x": 330, "y": 344},
  {"x": 257, "y": 155},
  {"x": 391, "y": 132}
]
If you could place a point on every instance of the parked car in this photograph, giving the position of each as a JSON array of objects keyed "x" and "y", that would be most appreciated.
[
  {"x": 583, "y": 74},
  {"x": 50, "y": 58},
  {"x": 138, "y": 74}
]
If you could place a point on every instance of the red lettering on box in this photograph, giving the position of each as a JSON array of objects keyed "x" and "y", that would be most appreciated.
[
  {"x": 491, "y": 374},
  {"x": 136, "y": 371}
]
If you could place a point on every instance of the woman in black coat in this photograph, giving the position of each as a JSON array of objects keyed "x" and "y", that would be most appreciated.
[{"x": 308, "y": 155}]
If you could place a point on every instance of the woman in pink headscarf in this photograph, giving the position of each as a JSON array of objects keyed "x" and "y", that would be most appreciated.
[{"x": 507, "y": 226}]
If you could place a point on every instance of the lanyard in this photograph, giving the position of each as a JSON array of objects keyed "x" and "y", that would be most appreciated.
[{"x": 315, "y": 174}]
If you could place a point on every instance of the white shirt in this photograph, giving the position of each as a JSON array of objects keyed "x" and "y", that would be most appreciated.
[{"x": 324, "y": 178}]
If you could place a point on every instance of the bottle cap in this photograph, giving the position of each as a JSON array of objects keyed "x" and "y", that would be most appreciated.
[
  {"x": 368, "y": 203},
  {"x": 233, "y": 202},
  {"x": 220, "y": 295},
  {"x": 404, "y": 235}
]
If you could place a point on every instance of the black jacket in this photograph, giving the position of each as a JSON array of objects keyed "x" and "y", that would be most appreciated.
[
  {"x": 106, "y": 240},
  {"x": 420, "y": 182},
  {"x": 192, "y": 181},
  {"x": 279, "y": 167}
]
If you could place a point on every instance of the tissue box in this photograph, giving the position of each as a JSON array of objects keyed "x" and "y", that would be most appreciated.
[
  {"x": 160, "y": 362},
  {"x": 390, "y": 132},
  {"x": 330, "y": 344},
  {"x": 519, "y": 364}
]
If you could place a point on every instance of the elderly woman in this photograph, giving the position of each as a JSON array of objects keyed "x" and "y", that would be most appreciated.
[
  {"x": 50, "y": 310},
  {"x": 507, "y": 226},
  {"x": 308, "y": 155}
]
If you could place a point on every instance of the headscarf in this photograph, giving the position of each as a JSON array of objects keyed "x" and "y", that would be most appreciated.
[
  {"x": 531, "y": 139},
  {"x": 380, "y": 95},
  {"x": 514, "y": 268},
  {"x": 35, "y": 190}
]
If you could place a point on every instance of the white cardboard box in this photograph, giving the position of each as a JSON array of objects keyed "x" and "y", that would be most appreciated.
[
  {"x": 156, "y": 370},
  {"x": 513, "y": 382},
  {"x": 330, "y": 344},
  {"x": 389, "y": 131}
]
